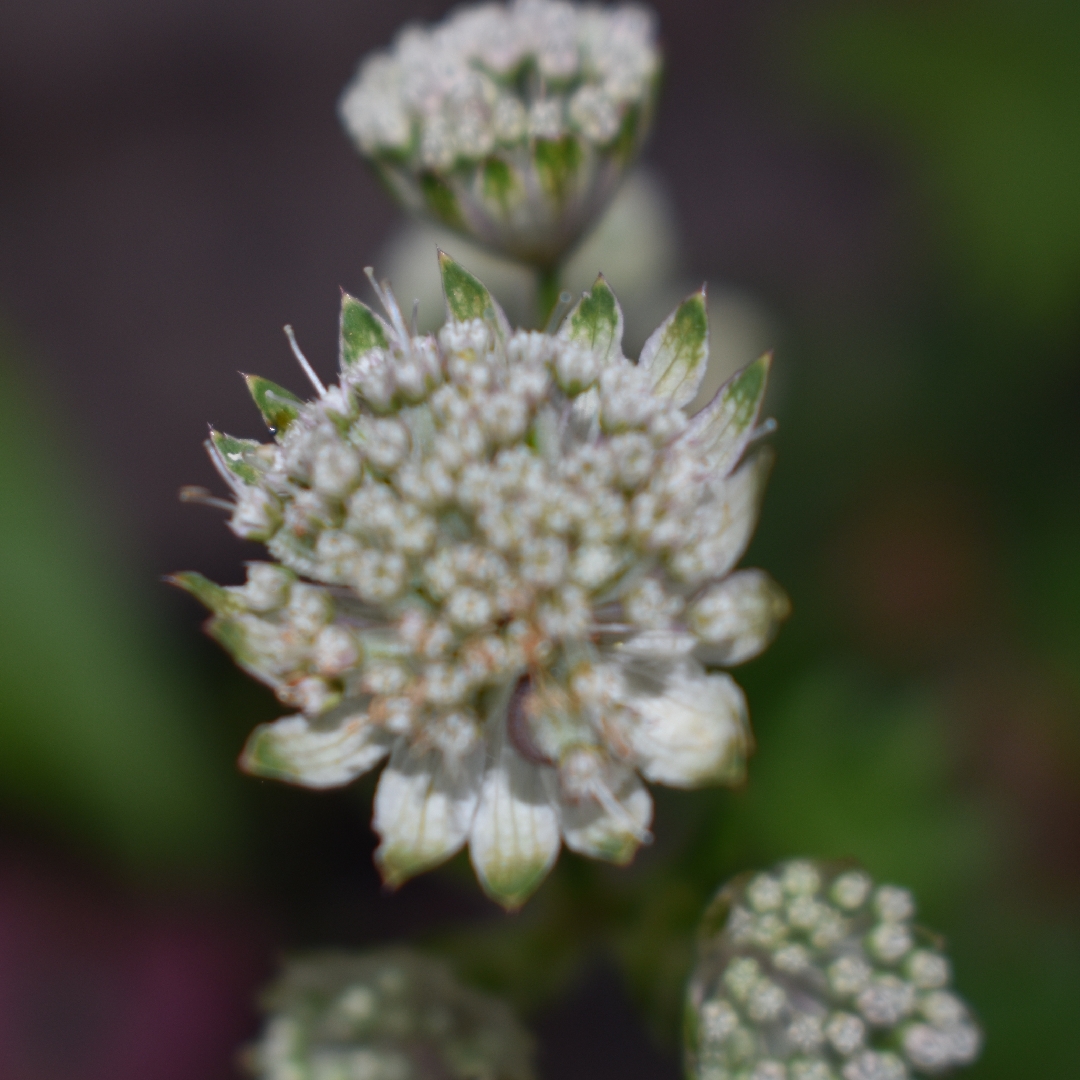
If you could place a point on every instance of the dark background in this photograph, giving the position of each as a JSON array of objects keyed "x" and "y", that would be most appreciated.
[{"x": 895, "y": 182}]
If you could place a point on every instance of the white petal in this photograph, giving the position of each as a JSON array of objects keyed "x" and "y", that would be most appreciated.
[
  {"x": 738, "y": 618},
  {"x": 291, "y": 749},
  {"x": 730, "y": 518},
  {"x": 677, "y": 352},
  {"x": 689, "y": 729},
  {"x": 723, "y": 429},
  {"x": 613, "y": 832},
  {"x": 424, "y": 807},
  {"x": 515, "y": 835}
]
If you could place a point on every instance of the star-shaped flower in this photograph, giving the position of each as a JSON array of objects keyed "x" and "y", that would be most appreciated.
[{"x": 504, "y": 560}]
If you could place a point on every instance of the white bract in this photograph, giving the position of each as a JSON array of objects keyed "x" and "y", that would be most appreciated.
[
  {"x": 504, "y": 560},
  {"x": 810, "y": 972},
  {"x": 512, "y": 123},
  {"x": 385, "y": 1015}
]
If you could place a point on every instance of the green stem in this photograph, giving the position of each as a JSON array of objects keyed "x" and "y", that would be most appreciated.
[{"x": 547, "y": 293}]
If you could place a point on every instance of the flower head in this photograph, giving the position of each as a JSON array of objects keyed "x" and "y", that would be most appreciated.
[
  {"x": 813, "y": 972},
  {"x": 386, "y": 1015},
  {"x": 511, "y": 123},
  {"x": 503, "y": 560}
]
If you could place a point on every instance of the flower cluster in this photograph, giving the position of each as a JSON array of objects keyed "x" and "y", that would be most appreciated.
[
  {"x": 811, "y": 972},
  {"x": 388, "y": 1015},
  {"x": 510, "y": 123},
  {"x": 504, "y": 559}
]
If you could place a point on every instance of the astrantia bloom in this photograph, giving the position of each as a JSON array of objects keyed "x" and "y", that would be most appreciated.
[
  {"x": 512, "y": 123},
  {"x": 811, "y": 972},
  {"x": 386, "y": 1015},
  {"x": 504, "y": 560}
]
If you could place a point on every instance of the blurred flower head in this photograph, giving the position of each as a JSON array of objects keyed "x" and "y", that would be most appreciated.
[
  {"x": 511, "y": 123},
  {"x": 813, "y": 972},
  {"x": 388, "y": 1015},
  {"x": 519, "y": 555}
]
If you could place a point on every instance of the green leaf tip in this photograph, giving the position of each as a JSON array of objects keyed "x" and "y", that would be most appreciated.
[
  {"x": 279, "y": 407},
  {"x": 233, "y": 454},
  {"x": 466, "y": 298},
  {"x": 214, "y": 597},
  {"x": 597, "y": 321},
  {"x": 724, "y": 428},
  {"x": 677, "y": 353},
  {"x": 361, "y": 330}
]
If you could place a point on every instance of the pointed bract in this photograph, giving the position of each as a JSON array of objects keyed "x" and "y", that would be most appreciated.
[
  {"x": 593, "y": 830},
  {"x": 722, "y": 430},
  {"x": 279, "y": 407},
  {"x": 677, "y": 352},
  {"x": 515, "y": 836},
  {"x": 467, "y": 299},
  {"x": 596, "y": 322},
  {"x": 361, "y": 331},
  {"x": 291, "y": 750},
  {"x": 234, "y": 454},
  {"x": 216, "y": 597},
  {"x": 424, "y": 807}
]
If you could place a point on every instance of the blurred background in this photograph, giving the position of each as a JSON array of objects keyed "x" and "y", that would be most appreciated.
[{"x": 884, "y": 192}]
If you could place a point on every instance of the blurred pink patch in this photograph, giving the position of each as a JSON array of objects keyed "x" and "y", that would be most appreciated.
[{"x": 99, "y": 985}]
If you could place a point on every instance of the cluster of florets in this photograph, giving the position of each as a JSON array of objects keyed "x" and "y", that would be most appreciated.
[
  {"x": 389, "y": 1015},
  {"x": 811, "y": 972},
  {"x": 505, "y": 557},
  {"x": 509, "y": 122}
]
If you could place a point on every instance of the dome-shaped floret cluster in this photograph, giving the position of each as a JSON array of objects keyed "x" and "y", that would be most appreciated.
[
  {"x": 386, "y": 1015},
  {"x": 813, "y": 972},
  {"x": 504, "y": 560},
  {"x": 509, "y": 122}
]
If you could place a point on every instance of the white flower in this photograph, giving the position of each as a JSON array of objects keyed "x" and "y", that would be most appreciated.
[
  {"x": 514, "y": 123},
  {"x": 862, "y": 1002},
  {"x": 505, "y": 559},
  {"x": 390, "y": 1014}
]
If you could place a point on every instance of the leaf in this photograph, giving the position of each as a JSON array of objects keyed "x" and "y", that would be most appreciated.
[
  {"x": 597, "y": 322},
  {"x": 677, "y": 352},
  {"x": 233, "y": 454},
  {"x": 467, "y": 299},
  {"x": 361, "y": 330},
  {"x": 722, "y": 430},
  {"x": 279, "y": 407}
]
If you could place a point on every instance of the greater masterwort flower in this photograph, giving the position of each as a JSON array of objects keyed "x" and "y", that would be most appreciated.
[
  {"x": 387, "y": 1015},
  {"x": 811, "y": 972},
  {"x": 512, "y": 123},
  {"x": 503, "y": 560}
]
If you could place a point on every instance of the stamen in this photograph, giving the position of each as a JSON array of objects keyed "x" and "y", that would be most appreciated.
[
  {"x": 301, "y": 359},
  {"x": 192, "y": 493},
  {"x": 389, "y": 303}
]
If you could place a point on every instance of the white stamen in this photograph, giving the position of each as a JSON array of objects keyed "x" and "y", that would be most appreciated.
[{"x": 301, "y": 359}]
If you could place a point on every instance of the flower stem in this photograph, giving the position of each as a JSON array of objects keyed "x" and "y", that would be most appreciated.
[{"x": 547, "y": 293}]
